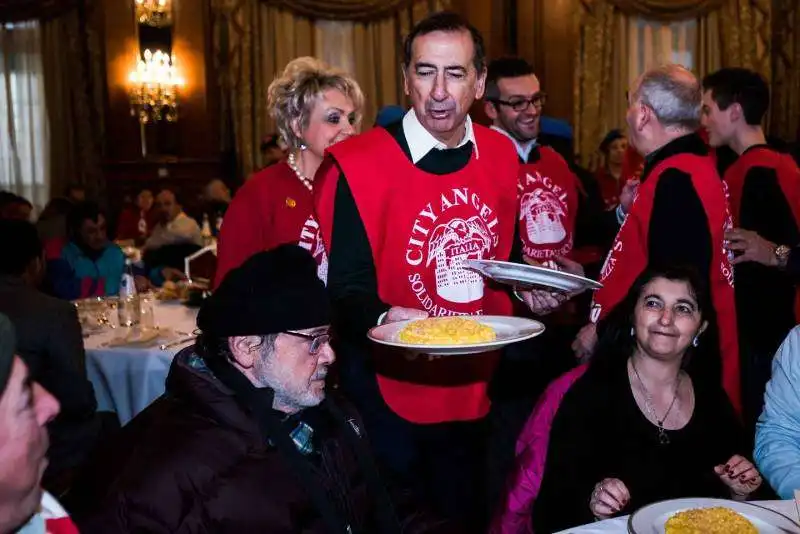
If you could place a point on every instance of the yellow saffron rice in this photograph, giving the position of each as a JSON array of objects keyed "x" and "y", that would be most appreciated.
[
  {"x": 446, "y": 331},
  {"x": 718, "y": 520}
]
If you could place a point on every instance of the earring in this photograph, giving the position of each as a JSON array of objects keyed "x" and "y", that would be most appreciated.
[
  {"x": 696, "y": 341},
  {"x": 303, "y": 146},
  {"x": 633, "y": 332}
]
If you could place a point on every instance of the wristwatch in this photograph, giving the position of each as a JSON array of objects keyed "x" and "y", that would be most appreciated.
[{"x": 782, "y": 255}]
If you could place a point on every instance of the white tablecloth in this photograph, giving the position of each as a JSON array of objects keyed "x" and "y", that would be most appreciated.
[
  {"x": 127, "y": 379},
  {"x": 620, "y": 524}
]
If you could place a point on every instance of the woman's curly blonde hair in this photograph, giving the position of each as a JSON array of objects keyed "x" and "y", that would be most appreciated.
[{"x": 292, "y": 95}]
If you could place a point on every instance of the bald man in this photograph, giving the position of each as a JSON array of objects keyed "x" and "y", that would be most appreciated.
[
  {"x": 679, "y": 217},
  {"x": 174, "y": 227}
]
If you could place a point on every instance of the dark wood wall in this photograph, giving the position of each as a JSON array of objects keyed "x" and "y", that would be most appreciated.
[
  {"x": 183, "y": 155},
  {"x": 541, "y": 31},
  {"x": 186, "y": 154}
]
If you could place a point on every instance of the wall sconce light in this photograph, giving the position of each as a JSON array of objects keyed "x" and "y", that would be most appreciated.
[{"x": 156, "y": 13}]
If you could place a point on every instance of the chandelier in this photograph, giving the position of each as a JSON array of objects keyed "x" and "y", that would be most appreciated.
[
  {"x": 154, "y": 88},
  {"x": 154, "y": 12}
]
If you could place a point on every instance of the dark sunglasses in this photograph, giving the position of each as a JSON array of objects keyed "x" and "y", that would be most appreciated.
[
  {"x": 538, "y": 101},
  {"x": 317, "y": 340}
]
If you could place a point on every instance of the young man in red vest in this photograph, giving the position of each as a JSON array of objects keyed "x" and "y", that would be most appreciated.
[
  {"x": 400, "y": 208},
  {"x": 764, "y": 188},
  {"x": 552, "y": 206},
  {"x": 679, "y": 216}
]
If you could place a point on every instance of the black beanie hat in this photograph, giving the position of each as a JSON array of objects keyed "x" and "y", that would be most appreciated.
[
  {"x": 271, "y": 292},
  {"x": 8, "y": 346}
]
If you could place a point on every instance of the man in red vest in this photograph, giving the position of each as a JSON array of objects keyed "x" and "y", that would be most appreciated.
[
  {"x": 548, "y": 188},
  {"x": 764, "y": 188},
  {"x": 679, "y": 216},
  {"x": 553, "y": 205},
  {"x": 401, "y": 207}
]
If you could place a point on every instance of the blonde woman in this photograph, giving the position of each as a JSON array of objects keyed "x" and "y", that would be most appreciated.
[{"x": 314, "y": 107}]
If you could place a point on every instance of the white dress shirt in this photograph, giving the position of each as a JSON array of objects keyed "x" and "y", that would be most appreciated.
[
  {"x": 420, "y": 141},
  {"x": 182, "y": 229},
  {"x": 524, "y": 150}
]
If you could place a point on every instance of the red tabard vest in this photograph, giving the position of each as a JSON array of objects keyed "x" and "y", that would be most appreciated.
[
  {"x": 421, "y": 227},
  {"x": 548, "y": 204},
  {"x": 272, "y": 208},
  {"x": 788, "y": 179},
  {"x": 628, "y": 256}
]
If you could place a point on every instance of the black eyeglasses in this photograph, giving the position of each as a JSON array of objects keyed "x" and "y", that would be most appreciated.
[
  {"x": 317, "y": 340},
  {"x": 538, "y": 101}
]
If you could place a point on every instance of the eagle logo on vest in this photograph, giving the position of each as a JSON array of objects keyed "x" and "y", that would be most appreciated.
[
  {"x": 311, "y": 240},
  {"x": 452, "y": 243},
  {"x": 456, "y": 227},
  {"x": 543, "y": 212}
]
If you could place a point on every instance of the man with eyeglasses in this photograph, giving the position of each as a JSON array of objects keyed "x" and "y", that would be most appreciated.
[
  {"x": 548, "y": 189},
  {"x": 246, "y": 438},
  {"x": 550, "y": 199}
]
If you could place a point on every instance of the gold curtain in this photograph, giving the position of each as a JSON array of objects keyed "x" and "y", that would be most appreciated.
[
  {"x": 599, "y": 34},
  {"x": 253, "y": 41},
  {"x": 737, "y": 33},
  {"x": 342, "y": 9},
  {"x": 74, "y": 81},
  {"x": 667, "y": 10},
  {"x": 785, "y": 115}
]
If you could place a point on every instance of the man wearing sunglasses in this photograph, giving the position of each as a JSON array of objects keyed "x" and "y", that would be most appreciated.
[{"x": 246, "y": 438}]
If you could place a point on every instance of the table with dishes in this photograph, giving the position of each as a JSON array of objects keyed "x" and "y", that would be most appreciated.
[
  {"x": 128, "y": 365},
  {"x": 651, "y": 518}
]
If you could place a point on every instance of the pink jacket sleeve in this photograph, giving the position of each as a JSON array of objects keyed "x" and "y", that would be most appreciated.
[{"x": 523, "y": 484}]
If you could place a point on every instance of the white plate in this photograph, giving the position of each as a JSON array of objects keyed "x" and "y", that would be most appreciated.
[
  {"x": 529, "y": 276},
  {"x": 652, "y": 518},
  {"x": 509, "y": 330}
]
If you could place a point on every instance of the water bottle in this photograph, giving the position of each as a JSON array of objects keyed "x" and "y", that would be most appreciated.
[{"x": 128, "y": 301}]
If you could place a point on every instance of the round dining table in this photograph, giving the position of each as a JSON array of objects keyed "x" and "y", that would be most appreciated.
[{"x": 128, "y": 377}]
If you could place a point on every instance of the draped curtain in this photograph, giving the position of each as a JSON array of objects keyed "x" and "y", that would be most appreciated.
[
  {"x": 23, "y": 120},
  {"x": 350, "y": 10},
  {"x": 667, "y": 10},
  {"x": 66, "y": 96},
  {"x": 74, "y": 81},
  {"x": 726, "y": 33},
  {"x": 254, "y": 40},
  {"x": 785, "y": 112}
]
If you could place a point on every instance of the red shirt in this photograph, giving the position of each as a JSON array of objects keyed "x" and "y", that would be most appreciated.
[
  {"x": 421, "y": 227},
  {"x": 132, "y": 221},
  {"x": 610, "y": 187},
  {"x": 272, "y": 208}
]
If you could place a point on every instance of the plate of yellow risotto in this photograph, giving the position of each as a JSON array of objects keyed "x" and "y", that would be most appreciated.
[
  {"x": 456, "y": 335},
  {"x": 708, "y": 516}
]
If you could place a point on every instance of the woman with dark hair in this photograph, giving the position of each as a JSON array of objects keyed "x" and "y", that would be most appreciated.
[
  {"x": 610, "y": 175},
  {"x": 643, "y": 422}
]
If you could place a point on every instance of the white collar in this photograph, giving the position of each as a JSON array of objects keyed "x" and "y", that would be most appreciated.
[
  {"x": 420, "y": 141},
  {"x": 524, "y": 150}
]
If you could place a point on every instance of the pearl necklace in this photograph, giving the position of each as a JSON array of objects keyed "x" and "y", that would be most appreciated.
[{"x": 305, "y": 180}]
